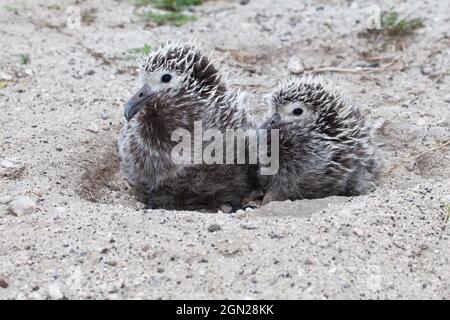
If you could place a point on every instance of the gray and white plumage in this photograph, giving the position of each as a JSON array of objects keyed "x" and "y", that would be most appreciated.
[
  {"x": 196, "y": 92},
  {"x": 325, "y": 146}
]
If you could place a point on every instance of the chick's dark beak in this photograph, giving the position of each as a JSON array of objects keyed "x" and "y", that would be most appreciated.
[
  {"x": 137, "y": 101},
  {"x": 273, "y": 120}
]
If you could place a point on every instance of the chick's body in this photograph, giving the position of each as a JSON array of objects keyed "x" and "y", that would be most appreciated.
[{"x": 325, "y": 147}]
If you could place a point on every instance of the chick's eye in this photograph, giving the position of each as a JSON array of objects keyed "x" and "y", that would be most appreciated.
[
  {"x": 297, "y": 111},
  {"x": 166, "y": 78}
]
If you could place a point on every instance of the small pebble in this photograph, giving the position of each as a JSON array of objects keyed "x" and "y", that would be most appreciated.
[
  {"x": 420, "y": 122},
  {"x": 7, "y": 134},
  {"x": 358, "y": 231},
  {"x": 427, "y": 69},
  {"x": 380, "y": 125},
  {"x": 8, "y": 164},
  {"x": 226, "y": 208},
  {"x": 447, "y": 98},
  {"x": 115, "y": 286},
  {"x": 248, "y": 227},
  {"x": 295, "y": 65},
  {"x": 228, "y": 247},
  {"x": 214, "y": 228},
  {"x": 93, "y": 128},
  {"x": 54, "y": 291},
  {"x": 104, "y": 115},
  {"x": 21, "y": 206},
  {"x": 5, "y": 76},
  {"x": 5, "y": 199},
  {"x": 346, "y": 212},
  {"x": 60, "y": 210},
  {"x": 3, "y": 284},
  {"x": 358, "y": 205}
]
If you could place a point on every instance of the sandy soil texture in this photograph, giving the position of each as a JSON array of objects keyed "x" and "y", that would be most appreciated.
[{"x": 80, "y": 234}]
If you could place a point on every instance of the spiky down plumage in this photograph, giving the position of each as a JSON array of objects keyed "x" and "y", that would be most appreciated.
[
  {"x": 145, "y": 146},
  {"x": 330, "y": 153}
]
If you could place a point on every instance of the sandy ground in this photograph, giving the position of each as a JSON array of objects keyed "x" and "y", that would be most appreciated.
[{"x": 88, "y": 238}]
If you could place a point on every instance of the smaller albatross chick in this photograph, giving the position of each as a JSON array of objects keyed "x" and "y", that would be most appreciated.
[{"x": 325, "y": 146}]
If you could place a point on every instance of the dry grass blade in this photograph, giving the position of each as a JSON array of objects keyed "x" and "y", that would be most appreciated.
[{"x": 388, "y": 66}]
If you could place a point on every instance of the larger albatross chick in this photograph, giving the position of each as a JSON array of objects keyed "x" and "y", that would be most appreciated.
[{"x": 180, "y": 86}]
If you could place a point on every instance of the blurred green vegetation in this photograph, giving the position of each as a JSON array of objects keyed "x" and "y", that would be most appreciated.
[
  {"x": 172, "y": 18},
  {"x": 169, "y": 5},
  {"x": 89, "y": 16},
  {"x": 12, "y": 9},
  {"x": 171, "y": 11},
  {"x": 447, "y": 215},
  {"x": 146, "y": 49},
  {"x": 24, "y": 58},
  {"x": 392, "y": 25}
]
